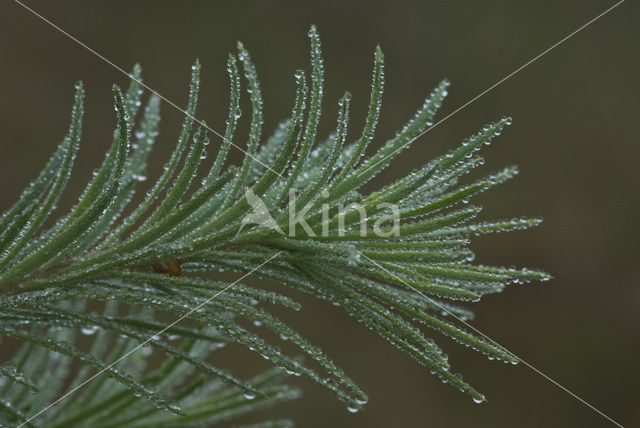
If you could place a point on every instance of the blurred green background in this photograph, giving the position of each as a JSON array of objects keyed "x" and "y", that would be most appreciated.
[{"x": 574, "y": 135}]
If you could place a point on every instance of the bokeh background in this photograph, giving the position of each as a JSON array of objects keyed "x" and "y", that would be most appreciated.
[{"x": 574, "y": 135}]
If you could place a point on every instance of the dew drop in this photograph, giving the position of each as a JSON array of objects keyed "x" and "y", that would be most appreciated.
[
  {"x": 89, "y": 330},
  {"x": 478, "y": 400},
  {"x": 175, "y": 407}
]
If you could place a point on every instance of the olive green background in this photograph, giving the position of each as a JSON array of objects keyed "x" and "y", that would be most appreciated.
[{"x": 575, "y": 137}]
